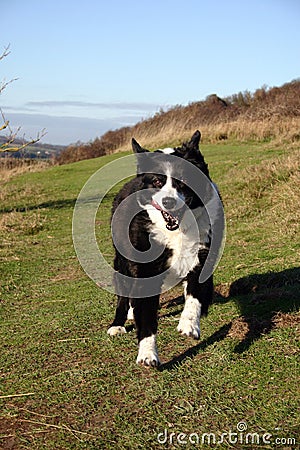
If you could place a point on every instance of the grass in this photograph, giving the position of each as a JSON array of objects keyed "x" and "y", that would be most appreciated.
[{"x": 65, "y": 384}]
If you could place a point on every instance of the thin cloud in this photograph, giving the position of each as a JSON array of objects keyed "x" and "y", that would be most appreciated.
[
  {"x": 65, "y": 130},
  {"x": 133, "y": 106}
]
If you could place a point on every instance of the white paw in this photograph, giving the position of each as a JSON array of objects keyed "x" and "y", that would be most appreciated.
[
  {"x": 189, "y": 323},
  {"x": 189, "y": 327},
  {"x": 150, "y": 360},
  {"x": 114, "y": 331},
  {"x": 130, "y": 314},
  {"x": 147, "y": 355}
]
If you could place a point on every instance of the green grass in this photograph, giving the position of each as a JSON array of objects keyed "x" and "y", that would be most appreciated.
[{"x": 86, "y": 391}]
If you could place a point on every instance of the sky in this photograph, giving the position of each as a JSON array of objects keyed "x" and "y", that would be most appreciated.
[{"x": 86, "y": 67}]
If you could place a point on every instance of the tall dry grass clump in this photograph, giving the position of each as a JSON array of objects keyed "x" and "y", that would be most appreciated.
[
  {"x": 29, "y": 223},
  {"x": 11, "y": 167}
]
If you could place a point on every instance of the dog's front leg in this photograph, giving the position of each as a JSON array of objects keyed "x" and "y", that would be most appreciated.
[
  {"x": 198, "y": 297},
  {"x": 145, "y": 316},
  {"x": 117, "y": 327}
]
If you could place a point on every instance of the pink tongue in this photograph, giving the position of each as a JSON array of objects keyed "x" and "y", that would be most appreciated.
[
  {"x": 172, "y": 222},
  {"x": 156, "y": 205}
]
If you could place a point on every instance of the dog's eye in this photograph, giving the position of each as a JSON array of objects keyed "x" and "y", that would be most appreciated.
[
  {"x": 157, "y": 183},
  {"x": 182, "y": 182}
]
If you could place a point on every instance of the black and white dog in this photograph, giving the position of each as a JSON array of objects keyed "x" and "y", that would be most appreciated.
[{"x": 167, "y": 211}]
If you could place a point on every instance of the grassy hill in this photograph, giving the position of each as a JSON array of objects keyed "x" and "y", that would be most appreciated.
[
  {"x": 266, "y": 115},
  {"x": 65, "y": 384}
]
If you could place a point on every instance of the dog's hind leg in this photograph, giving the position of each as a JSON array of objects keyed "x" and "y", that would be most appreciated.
[
  {"x": 117, "y": 327},
  {"x": 145, "y": 315}
]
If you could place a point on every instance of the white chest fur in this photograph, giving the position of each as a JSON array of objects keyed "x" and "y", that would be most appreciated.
[{"x": 184, "y": 242}]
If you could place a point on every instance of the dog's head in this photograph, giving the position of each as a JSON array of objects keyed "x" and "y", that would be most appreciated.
[{"x": 170, "y": 179}]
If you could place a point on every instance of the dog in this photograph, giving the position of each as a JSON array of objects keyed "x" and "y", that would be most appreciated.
[{"x": 163, "y": 214}]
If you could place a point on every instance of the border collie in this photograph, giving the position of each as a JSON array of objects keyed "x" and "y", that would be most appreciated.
[{"x": 162, "y": 233}]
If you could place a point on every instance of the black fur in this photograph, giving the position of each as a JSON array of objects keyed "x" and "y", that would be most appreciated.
[{"x": 145, "y": 308}]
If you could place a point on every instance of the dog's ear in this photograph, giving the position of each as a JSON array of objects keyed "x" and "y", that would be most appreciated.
[
  {"x": 191, "y": 147},
  {"x": 136, "y": 147},
  {"x": 192, "y": 151},
  {"x": 142, "y": 155},
  {"x": 194, "y": 142}
]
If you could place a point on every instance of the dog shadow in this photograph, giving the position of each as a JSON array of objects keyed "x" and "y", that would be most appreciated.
[
  {"x": 219, "y": 335},
  {"x": 265, "y": 302}
]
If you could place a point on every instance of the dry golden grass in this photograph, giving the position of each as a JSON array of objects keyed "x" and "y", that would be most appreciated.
[
  {"x": 29, "y": 223},
  {"x": 12, "y": 167},
  {"x": 277, "y": 130}
]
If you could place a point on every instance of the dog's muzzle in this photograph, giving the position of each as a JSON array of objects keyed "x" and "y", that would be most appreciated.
[{"x": 172, "y": 220}]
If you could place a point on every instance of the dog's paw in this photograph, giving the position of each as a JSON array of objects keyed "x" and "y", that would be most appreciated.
[
  {"x": 150, "y": 360},
  {"x": 147, "y": 355},
  {"x": 130, "y": 315},
  {"x": 189, "y": 327},
  {"x": 116, "y": 330}
]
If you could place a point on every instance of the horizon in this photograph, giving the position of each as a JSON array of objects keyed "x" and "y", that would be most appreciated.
[{"x": 103, "y": 66}]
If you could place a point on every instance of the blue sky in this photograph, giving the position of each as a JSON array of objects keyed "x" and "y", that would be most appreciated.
[{"x": 84, "y": 67}]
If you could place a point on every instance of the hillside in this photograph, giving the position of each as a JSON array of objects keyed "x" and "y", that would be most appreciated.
[
  {"x": 268, "y": 114},
  {"x": 65, "y": 384},
  {"x": 37, "y": 150}
]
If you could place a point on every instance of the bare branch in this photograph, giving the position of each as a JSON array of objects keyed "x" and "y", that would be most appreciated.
[
  {"x": 8, "y": 146},
  {"x": 5, "y": 125},
  {"x": 4, "y": 84},
  {"x": 5, "y": 52}
]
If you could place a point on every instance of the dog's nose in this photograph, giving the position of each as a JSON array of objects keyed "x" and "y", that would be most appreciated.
[{"x": 169, "y": 202}]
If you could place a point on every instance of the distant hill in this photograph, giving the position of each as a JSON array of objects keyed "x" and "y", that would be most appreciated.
[
  {"x": 38, "y": 150},
  {"x": 267, "y": 114}
]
